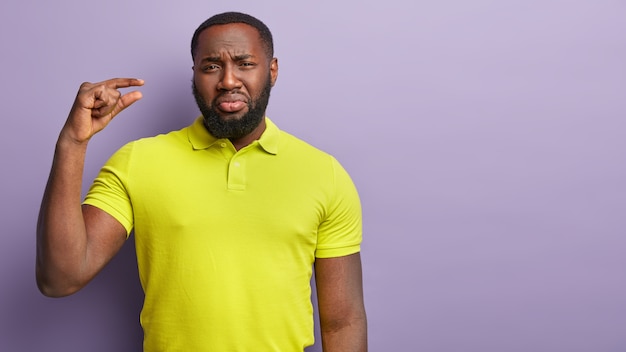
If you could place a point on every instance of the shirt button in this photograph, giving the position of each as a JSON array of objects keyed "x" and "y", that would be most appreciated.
[
  {"x": 223, "y": 145},
  {"x": 236, "y": 164}
]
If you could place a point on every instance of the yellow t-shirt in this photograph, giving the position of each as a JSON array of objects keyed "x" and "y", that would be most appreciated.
[{"x": 226, "y": 240}]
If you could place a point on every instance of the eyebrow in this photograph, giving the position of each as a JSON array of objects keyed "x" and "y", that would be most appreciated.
[
  {"x": 235, "y": 58},
  {"x": 211, "y": 59},
  {"x": 243, "y": 57}
]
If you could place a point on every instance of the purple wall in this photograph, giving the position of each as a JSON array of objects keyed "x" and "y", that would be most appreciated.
[{"x": 487, "y": 139}]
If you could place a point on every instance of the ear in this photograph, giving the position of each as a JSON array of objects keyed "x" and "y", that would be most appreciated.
[{"x": 274, "y": 71}]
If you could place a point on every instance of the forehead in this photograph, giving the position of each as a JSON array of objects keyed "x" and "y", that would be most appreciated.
[{"x": 231, "y": 37}]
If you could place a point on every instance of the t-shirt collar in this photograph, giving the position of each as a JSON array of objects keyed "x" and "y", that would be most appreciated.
[{"x": 200, "y": 138}]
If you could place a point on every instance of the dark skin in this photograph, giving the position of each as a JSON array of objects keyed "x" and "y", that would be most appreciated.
[
  {"x": 227, "y": 61},
  {"x": 75, "y": 242}
]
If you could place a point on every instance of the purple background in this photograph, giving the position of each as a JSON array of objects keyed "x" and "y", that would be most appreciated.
[{"x": 486, "y": 138}]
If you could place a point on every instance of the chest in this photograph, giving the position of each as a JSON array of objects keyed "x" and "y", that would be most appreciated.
[{"x": 208, "y": 196}]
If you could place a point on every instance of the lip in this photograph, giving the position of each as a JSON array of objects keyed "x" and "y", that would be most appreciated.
[{"x": 232, "y": 102}]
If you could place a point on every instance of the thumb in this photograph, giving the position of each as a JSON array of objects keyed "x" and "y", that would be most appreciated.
[{"x": 125, "y": 101}]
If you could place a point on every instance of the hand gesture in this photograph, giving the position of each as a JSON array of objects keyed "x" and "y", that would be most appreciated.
[{"x": 96, "y": 105}]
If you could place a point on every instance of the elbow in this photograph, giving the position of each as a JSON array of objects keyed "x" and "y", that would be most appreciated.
[
  {"x": 54, "y": 292},
  {"x": 54, "y": 288},
  {"x": 56, "y": 279}
]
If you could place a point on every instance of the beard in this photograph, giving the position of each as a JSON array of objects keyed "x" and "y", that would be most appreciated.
[{"x": 219, "y": 127}]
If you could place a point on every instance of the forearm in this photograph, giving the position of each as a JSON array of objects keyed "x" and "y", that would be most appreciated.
[
  {"x": 349, "y": 336},
  {"x": 61, "y": 234}
]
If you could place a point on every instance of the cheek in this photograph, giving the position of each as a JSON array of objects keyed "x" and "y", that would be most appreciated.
[
  {"x": 204, "y": 81},
  {"x": 204, "y": 88},
  {"x": 256, "y": 84}
]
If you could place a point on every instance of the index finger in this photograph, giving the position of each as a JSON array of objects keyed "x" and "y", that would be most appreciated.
[{"x": 116, "y": 83}]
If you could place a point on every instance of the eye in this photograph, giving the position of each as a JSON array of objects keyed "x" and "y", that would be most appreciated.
[
  {"x": 210, "y": 68},
  {"x": 247, "y": 64}
]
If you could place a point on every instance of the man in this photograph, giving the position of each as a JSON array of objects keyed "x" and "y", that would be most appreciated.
[{"x": 230, "y": 214}]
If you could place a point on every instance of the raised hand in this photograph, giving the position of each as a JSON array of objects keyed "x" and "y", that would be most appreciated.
[
  {"x": 96, "y": 105},
  {"x": 73, "y": 246}
]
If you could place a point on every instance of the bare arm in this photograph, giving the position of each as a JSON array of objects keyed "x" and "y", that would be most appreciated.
[
  {"x": 74, "y": 242},
  {"x": 340, "y": 299}
]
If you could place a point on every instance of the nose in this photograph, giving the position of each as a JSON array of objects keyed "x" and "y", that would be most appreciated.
[{"x": 229, "y": 79}]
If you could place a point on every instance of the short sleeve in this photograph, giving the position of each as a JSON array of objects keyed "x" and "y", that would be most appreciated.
[
  {"x": 109, "y": 190},
  {"x": 340, "y": 233}
]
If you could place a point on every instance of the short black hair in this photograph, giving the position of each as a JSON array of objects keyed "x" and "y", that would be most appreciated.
[{"x": 236, "y": 17}]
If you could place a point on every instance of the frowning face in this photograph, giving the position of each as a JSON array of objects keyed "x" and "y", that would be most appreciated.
[{"x": 233, "y": 76}]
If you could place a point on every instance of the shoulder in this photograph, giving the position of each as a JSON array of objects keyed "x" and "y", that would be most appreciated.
[
  {"x": 150, "y": 150},
  {"x": 159, "y": 143},
  {"x": 294, "y": 146},
  {"x": 317, "y": 166}
]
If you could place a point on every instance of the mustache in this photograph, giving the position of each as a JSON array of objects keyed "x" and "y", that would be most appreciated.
[
  {"x": 229, "y": 94},
  {"x": 223, "y": 95}
]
